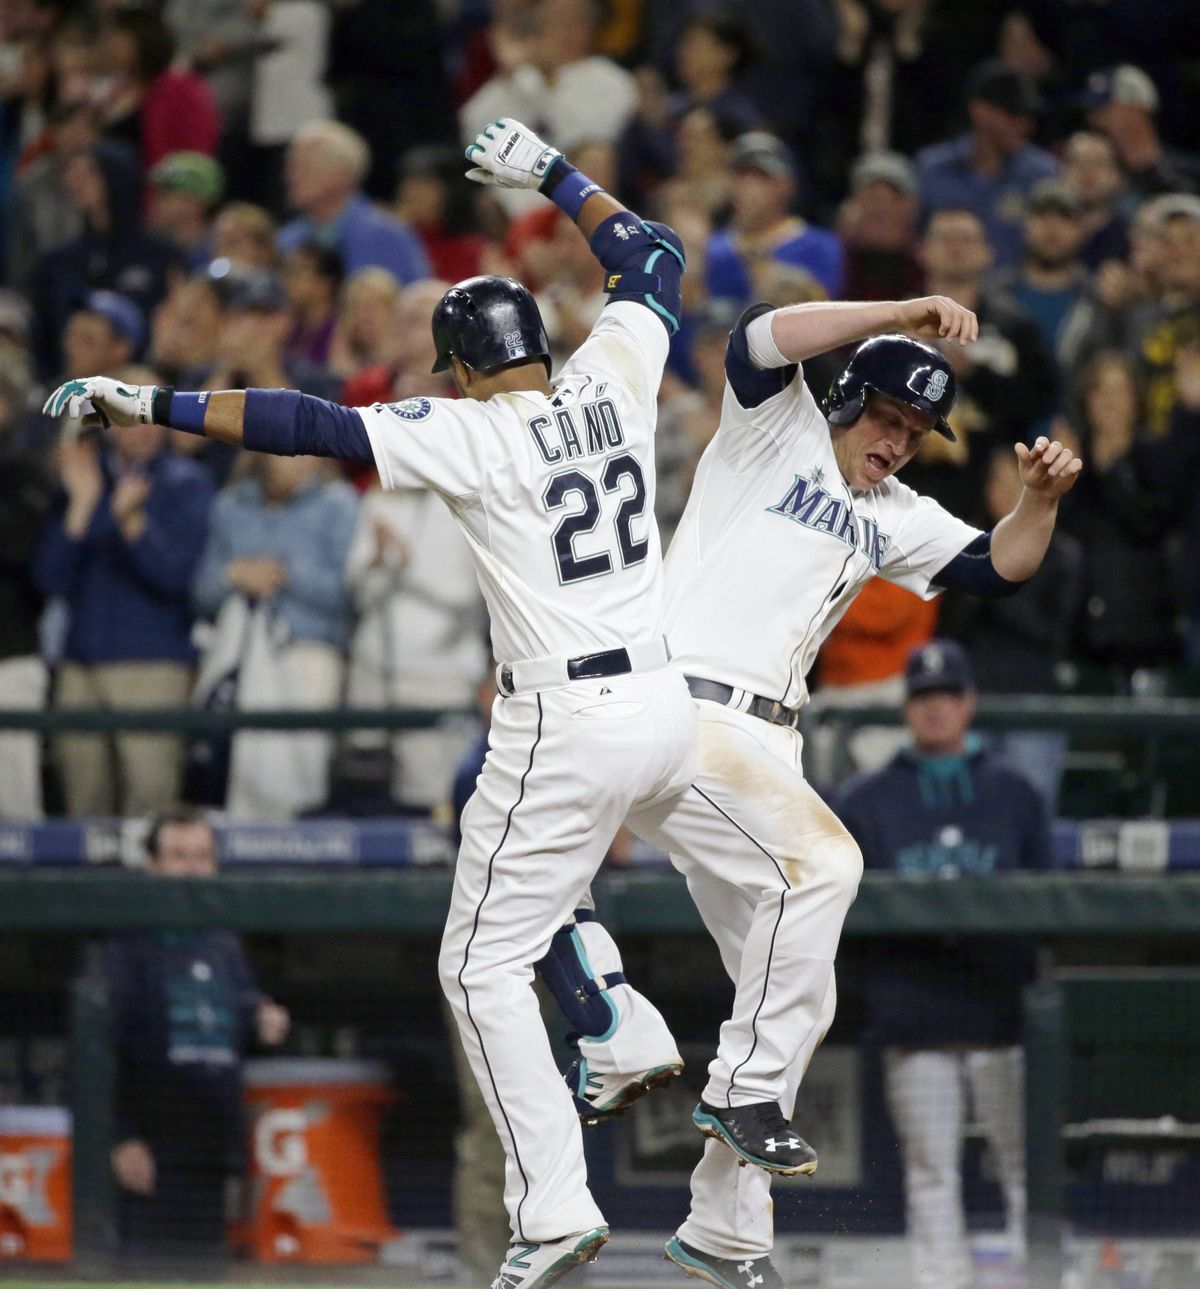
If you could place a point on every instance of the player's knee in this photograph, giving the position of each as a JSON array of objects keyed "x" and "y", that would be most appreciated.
[
  {"x": 453, "y": 972},
  {"x": 845, "y": 863}
]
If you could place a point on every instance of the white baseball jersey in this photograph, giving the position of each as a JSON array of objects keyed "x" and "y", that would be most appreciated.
[
  {"x": 774, "y": 545},
  {"x": 554, "y": 494}
]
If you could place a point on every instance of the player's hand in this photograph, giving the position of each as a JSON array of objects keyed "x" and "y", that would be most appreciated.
[
  {"x": 96, "y": 400},
  {"x": 133, "y": 1166},
  {"x": 508, "y": 154},
  {"x": 1048, "y": 468},
  {"x": 937, "y": 317}
]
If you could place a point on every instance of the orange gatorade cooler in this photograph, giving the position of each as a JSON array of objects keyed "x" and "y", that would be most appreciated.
[
  {"x": 35, "y": 1183},
  {"x": 315, "y": 1180}
]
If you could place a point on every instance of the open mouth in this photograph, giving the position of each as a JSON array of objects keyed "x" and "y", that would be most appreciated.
[{"x": 877, "y": 466}]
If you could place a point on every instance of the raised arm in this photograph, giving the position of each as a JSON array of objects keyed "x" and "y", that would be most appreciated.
[
  {"x": 643, "y": 260},
  {"x": 805, "y": 330}
]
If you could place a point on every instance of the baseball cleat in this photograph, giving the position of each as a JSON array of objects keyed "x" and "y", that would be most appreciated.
[
  {"x": 725, "y": 1273},
  {"x": 604, "y": 1096},
  {"x": 758, "y": 1134},
  {"x": 536, "y": 1266}
]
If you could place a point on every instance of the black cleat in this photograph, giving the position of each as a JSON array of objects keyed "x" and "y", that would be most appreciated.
[
  {"x": 758, "y": 1134},
  {"x": 725, "y": 1273}
]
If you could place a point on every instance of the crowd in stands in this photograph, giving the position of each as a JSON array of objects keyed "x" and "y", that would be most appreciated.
[{"x": 219, "y": 194}]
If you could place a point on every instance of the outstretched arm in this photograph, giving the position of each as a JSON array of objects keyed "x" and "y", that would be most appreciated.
[{"x": 805, "y": 330}]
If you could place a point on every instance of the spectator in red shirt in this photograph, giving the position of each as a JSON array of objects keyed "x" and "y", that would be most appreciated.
[
  {"x": 435, "y": 200},
  {"x": 157, "y": 108}
]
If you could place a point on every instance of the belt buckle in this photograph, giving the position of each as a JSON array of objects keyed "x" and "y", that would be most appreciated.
[{"x": 506, "y": 678}]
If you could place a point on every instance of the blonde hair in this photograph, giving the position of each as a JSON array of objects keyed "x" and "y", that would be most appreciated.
[{"x": 341, "y": 145}]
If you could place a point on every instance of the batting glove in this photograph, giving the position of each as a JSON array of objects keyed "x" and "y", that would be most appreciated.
[
  {"x": 509, "y": 155},
  {"x": 96, "y": 400}
]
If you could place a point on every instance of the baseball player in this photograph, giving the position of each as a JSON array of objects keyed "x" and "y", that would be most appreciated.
[
  {"x": 791, "y": 513},
  {"x": 552, "y": 484}
]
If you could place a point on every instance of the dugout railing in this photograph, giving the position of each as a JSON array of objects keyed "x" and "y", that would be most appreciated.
[
  {"x": 1111, "y": 911},
  {"x": 1129, "y": 755}
]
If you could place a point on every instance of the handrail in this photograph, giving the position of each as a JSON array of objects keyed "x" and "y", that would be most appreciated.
[{"x": 1066, "y": 714}]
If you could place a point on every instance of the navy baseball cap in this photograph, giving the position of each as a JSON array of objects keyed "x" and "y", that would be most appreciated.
[
  {"x": 760, "y": 150},
  {"x": 940, "y": 664},
  {"x": 1124, "y": 84},
  {"x": 125, "y": 318}
]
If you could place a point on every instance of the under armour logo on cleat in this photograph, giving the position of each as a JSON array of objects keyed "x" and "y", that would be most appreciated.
[
  {"x": 505, "y": 1281},
  {"x": 605, "y": 690},
  {"x": 792, "y": 1143},
  {"x": 747, "y": 1269}
]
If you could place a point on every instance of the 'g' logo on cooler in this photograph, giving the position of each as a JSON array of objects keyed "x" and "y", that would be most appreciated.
[
  {"x": 280, "y": 1145},
  {"x": 935, "y": 385}
]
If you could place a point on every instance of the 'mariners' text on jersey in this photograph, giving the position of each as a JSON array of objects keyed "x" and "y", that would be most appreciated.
[
  {"x": 558, "y": 438},
  {"x": 807, "y": 503}
]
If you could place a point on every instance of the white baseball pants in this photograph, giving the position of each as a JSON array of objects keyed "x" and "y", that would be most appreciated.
[
  {"x": 565, "y": 767},
  {"x": 928, "y": 1093}
]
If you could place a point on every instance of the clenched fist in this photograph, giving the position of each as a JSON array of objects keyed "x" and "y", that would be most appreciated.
[
  {"x": 508, "y": 154},
  {"x": 96, "y": 400}
]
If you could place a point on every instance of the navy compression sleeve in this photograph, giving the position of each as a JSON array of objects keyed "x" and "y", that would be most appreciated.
[
  {"x": 972, "y": 570},
  {"x": 283, "y": 422}
]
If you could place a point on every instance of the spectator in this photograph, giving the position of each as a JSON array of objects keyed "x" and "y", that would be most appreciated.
[
  {"x": 366, "y": 331},
  {"x": 16, "y": 361},
  {"x": 43, "y": 214},
  {"x": 562, "y": 88},
  {"x": 419, "y": 641},
  {"x": 892, "y": 80},
  {"x": 436, "y": 202},
  {"x": 1016, "y": 644},
  {"x": 25, "y": 495},
  {"x": 121, "y": 549},
  {"x": 763, "y": 228},
  {"x": 112, "y": 253},
  {"x": 312, "y": 278},
  {"x": 877, "y": 225},
  {"x": 1170, "y": 464},
  {"x": 1122, "y": 103},
  {"x": 1052, "y": 285},
  {"x": 153, "y": 106},
  {"x": 990, "y": 169},
  {"x": 251, "y": 351},
  {"x": 948, "y": 1012},
  {"x": 185, "y": 188},
  {"x": 244, "y": 237},
  {"x": 187, "y": 332},
  {"x": 862, "y": 665},
  {"x": 326, "y": 165},
  {"x": 1006, "y": 380},
  {"x": 278, "y": 542},
  {"x": 683, "y": 133},
  {"x": 1091, "y": 167},
  {"x": 1122, "y": 522},
  {"x": 185, "y": 1008},
  {"x": 409, "y": 370},
  {"x": 1170, "y": 320},
  {"x": 702, "y": 179}
]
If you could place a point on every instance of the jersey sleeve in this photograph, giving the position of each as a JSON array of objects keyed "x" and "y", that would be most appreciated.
[
  {"x": 923, "y": 542},
  {"x": 628, "y": 345},
  {"x": 437, "y": 443},
  {"x": 761, "y": 406}
]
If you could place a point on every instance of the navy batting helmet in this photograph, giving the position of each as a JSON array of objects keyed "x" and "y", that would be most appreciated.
[
  {"x": 489, "y": 322},
  {"x": 901, "y": 367}
]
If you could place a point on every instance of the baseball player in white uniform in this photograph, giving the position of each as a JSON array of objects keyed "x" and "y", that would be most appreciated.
[
  {"x": 552, "y": 484},
  {"x": 791, "y": 513}
]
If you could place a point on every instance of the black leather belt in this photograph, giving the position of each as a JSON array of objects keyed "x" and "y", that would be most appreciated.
[
  {"x": 766, "y": 709},
  {"x": 588, "y": 666}
]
